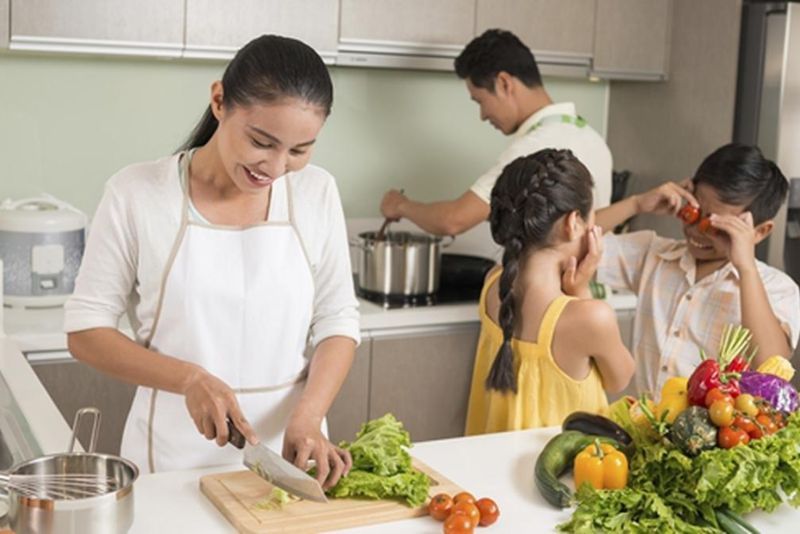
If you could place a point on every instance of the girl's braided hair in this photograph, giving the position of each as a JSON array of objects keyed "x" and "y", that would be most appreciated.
[{"x": 531, "y": 194}]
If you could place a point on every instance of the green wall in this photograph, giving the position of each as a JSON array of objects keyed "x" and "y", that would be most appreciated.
[{"x": 68, "y": 123}]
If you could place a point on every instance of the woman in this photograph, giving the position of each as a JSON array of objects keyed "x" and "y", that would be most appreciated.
[{"x": 227, "y": 256}]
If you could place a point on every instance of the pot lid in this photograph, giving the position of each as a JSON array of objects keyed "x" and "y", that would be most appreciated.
[{"x": 40, "y": 214}]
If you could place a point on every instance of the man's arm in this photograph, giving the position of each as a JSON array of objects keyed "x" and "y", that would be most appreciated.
[{"x": 450, "y": 217}]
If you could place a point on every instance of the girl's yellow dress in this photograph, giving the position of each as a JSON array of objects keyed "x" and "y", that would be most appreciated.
[{"x": 545, "y": 394}]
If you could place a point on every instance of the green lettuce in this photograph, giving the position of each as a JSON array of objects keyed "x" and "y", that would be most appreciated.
[{"x": 382, "y": 465}]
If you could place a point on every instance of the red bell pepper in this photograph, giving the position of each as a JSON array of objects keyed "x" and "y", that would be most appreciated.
[
  {"x": 704, "y": 378},
  {"x": 737, "y": 365}
]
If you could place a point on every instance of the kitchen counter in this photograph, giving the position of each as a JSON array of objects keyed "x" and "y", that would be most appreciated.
[
  {"x": 40, "y": 330},
  {"x": 499, "y": 466}
]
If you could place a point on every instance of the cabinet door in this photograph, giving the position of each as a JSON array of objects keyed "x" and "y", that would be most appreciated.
[
  {"x": 73, "y": 385},
  {"x": 350, "y": 409},
  {"x": 144, "y": 27},
  {"x": 4, "y": 23},
  {"x": 424, "y": 380},
  {"x": 218, "y": 29},
  {"x": 415, "y": 22},
  {"x": 549, "y": 27},
  {"x": 632, "y": 39}
]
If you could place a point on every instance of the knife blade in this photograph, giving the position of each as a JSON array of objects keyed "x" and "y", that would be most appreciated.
[{"x": 271, "y": 466}]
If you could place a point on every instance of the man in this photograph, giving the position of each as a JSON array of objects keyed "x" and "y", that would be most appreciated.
[{"x": 502, "y": 77}]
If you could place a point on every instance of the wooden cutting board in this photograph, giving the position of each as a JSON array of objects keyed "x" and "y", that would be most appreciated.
[{"x": 236, "y": 495}]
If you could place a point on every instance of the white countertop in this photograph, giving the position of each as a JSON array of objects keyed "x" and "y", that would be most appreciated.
[
  {"x": 499, "y": 466},
  {"x": 40, "y": 330}
]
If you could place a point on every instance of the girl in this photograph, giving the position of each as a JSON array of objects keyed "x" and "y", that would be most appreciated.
[
  {"x": 546, "y": 348},
  {"x": 227, "y": 255}
]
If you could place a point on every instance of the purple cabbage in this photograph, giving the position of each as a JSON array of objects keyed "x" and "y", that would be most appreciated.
[{"x": 774, "y": 389}]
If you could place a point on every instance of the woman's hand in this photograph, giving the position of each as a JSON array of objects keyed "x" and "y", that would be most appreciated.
[
  {"x": 211, "y": 402},
  {"x": 666, "y": 199},
  {"x": 576, "y": 277},
  {"x": 304, "y": 440}
]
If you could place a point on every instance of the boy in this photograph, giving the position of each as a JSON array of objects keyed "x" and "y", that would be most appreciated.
[{"x": 690, "y": 289}]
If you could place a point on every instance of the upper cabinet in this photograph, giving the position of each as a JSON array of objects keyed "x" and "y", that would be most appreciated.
[
  {"x": 556, "y": 31},
  {"x": 430, "y": 28},
  {"x": 4, "y": 23},
  {"x": 632, "y": 39},
  {"x": 217, "y": 29},
  {"x": 144, "y": 27}
]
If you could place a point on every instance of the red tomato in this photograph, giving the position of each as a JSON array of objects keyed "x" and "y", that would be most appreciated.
[
  {"x": 489, "y": 511},
  {"x": 704, "y": 225},
  {"x": 440, "y": 506},
  {"x": 731, "y": 436},
  {"x": 464, "y": 496},
  {"x": 715, "y": 394},
  {"x": 458, "y": 524},
  {"x": 721, "y": 413},
  {"x": 768, "y": 425},
  {"x": 689, "y": 214},
  {"x": 468, "y": 509}
]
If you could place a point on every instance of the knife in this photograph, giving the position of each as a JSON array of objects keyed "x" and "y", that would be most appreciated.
[{"x": 271, "y": 466}]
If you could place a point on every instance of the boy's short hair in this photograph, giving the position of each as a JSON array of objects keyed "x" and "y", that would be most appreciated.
[
  {"x": 495, "y": 51},
  {"x": 742, "y": 176}
]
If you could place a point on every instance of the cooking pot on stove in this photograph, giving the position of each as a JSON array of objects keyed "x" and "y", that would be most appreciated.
[{"x": 401, "y": 264}]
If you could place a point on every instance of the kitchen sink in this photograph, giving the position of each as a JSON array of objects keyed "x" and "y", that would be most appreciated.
[{"x": 16, "y": 439}]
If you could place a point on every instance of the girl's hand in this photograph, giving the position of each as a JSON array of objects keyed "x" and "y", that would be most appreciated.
[
  {"x": 576, "y": 277},
  {"x": 211, "y": 402},
  {"x": 666, "y": 199},
  {"x": 303, "y": 441},
  {"x": 738, "y": 237}
]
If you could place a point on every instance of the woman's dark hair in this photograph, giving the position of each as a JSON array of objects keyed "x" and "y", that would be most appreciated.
[
  {"x": 495, "y": 51},
  {"x": 531, "y": 194},
  {"x": 742, "y": 176},
  {"x": 267, "y": 69}
]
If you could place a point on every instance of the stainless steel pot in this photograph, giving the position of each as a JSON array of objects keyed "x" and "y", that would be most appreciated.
[
  {"x": 402, "y": 264},
  {"x": 109, "y": 512}
]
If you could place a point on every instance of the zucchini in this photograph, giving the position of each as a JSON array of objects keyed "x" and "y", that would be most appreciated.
[
  {"x": 596, "y": 425},
  {"x": 556, "y": 458}
]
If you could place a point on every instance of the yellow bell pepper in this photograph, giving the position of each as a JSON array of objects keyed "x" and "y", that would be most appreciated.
[
  {"x": 674, "y": 398},
  {"x": 602, "y": 466}
]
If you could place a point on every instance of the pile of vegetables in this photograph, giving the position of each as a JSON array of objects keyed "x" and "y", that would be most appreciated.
[
  {"x": 720, "y": 444},
  {"x": 382, "y": 465}
]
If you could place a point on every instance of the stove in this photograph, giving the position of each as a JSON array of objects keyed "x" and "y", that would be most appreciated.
[{"x": 445, "y": 295}]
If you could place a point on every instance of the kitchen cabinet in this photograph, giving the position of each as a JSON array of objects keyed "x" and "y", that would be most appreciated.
[
  {"x": 406, "y": 26},
  {"x": 73, "y": 385},
  {"x": 350, "y": 409},
  {"x": 631, "y": 39},
  {"x": 145, "y": 27},
  {"x": 217, "y": 29},
  {"x": 424, "y": 379},
  {"x": 556, "y": 31},
  {"x": 4, "y": 23}
]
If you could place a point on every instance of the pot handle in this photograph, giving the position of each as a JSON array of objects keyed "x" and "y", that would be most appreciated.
[
  {"x": 95, "y": 428},
  {"x": 452, "y": 240},
  {"x": 360, "y": 245}
]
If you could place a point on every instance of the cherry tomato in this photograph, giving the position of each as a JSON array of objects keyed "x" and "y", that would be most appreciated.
[
  {"x": 440, "y": 506},
  {"x": 464, "y": 496},
  {"x": 721, "y": 413},
  {"x": 704, "y": 225},
  {"x": 746, "y": 404},
  {"x": 731, "y": 436},
  {"x": 767, "y": 424},
  {"x": 458, "y": 524},
  {"x": 468, "y": 509},
  {"x": 489, "y": 511},
  {"x": 689, "y": 214},
  {"x": 715, "y": 394}
]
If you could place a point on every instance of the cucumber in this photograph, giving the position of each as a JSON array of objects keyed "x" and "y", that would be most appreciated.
[
  {"x": 728, "y": 525},
  {"x": 556, "y": 458},
  {"x": 736, "y": 518},
  {"x": 596, "y": 425}
]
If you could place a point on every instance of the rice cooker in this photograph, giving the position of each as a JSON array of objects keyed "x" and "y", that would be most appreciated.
[{"x": 41, "y": 246}]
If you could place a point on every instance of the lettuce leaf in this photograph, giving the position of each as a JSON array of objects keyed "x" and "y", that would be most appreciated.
[{"x": 382, "y": 465}]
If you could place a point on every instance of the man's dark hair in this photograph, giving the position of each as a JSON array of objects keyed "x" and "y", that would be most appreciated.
[
  {"x": 495, "y": 51},
  {"x": 742, "y": 176}
]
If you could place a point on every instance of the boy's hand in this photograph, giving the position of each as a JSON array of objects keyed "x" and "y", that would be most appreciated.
[
  {"x": 576, "y": 277},
  {"x": 666, "y": 199},
  {"x": 738, "y": 237}
]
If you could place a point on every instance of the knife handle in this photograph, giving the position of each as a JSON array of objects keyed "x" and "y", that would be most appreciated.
[{"x": 235, "y": 437}]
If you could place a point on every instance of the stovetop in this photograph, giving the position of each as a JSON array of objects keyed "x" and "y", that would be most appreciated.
[{"x": 445, "y": 295}]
